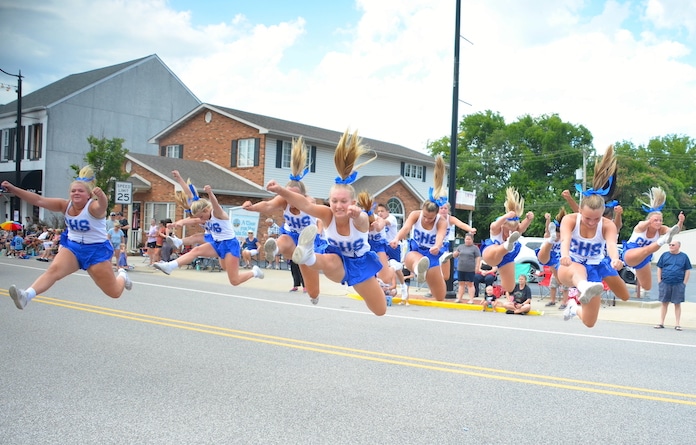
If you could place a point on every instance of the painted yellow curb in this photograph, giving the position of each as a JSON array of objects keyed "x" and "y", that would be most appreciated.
[{"x": 445, "y": 304}]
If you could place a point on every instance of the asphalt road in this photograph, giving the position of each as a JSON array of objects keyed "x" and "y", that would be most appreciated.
[{"x": 181, "y": 361}]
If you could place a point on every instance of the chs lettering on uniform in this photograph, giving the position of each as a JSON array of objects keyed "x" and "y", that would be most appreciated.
[
  {"x": 297, "y": 223},
  {"x": 348, "y": 247},
  {"x": 213, "y": 227},
  {"x": 643, "y": 242},
  {"x": 585, "y": 249},
  {"x": 424, "y": 238},
  {"x": 375, "y": 236},
  {"x": 81, "y": 225}
]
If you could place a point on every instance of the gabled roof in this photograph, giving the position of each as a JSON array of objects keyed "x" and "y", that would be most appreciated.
[
  {"x": 70, "y": 85},
  {"x": 378, "y": 184},
  {"x": 222, "y": 181},
  {"x": 139, "y": 183},
  {"x": 281, "y": 127}
]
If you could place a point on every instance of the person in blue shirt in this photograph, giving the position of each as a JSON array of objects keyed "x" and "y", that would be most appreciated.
[
  {"x": 250, "y": 248},
  {"x": 17, "y": 245},
  {"x": 673, "y": 270}
]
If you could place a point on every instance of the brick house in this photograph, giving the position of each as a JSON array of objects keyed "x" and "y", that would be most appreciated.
[{"x": 238, "y": 152}]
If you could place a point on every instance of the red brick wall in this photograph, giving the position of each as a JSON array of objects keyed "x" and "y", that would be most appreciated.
[
  {"x": 213, "y": 141},
  {"x": 402, "y": 193}
]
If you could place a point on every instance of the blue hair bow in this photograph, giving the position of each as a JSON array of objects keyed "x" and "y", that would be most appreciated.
[
  {"x": 372, "y": 209},
  {"x": 514, "y": 218},
  {"x": 647, "y": 209},
  {"x": 195, "y": 195},
  {"x": 349, "y": 180},
  {"x": 86, "y": 179},
  {"x": 439, "y": 201},
  {"x": 299, "y": 177},
  {"x": 611, "y": 204},
  {"x": 556, "y": 223},
  {"x": 591, "y": 191}
]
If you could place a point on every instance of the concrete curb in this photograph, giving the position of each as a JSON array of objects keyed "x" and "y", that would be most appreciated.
[{"x": 445, "y": 304}]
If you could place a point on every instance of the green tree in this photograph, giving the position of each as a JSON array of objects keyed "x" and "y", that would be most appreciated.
[
  {"x": 482, "y": 157},
  {"x": 665, "y": 162},
  {"x": 537, "y": 155},
  {"x": 106, "y": 156},
  {"x": 674, "y": 154},
  {"x": 548, "y": 151}
]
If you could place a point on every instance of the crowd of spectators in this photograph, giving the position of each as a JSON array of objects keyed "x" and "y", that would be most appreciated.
[{"x": 36, "y": 240}]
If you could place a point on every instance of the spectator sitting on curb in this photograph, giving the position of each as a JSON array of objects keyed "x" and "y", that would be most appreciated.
[
  {"x": 491, "y": 299},
  {"x": 17, "y": 245},
  {"x": 521, "y": 302}
]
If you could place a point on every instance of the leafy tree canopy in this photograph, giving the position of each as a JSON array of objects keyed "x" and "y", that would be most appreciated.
[{"x": 106, "y": 156}]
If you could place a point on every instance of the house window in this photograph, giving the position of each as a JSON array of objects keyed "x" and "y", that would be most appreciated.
[
  {"x": 284, "y": 155},
  {"x": 396, "y": 208},
  {"x": 160, "y": 211},
  {"x": 6, "y": 145},
  {"x": 245, "y": 152},
  {"x": 12, "y": 143},
  {"x": 172, "y": 151},
  {"x": 413, "y": 171},
  {"x": 34, "y": 143}
]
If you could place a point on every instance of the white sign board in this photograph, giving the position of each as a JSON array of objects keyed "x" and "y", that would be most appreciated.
[
  {"x": 243, "y": 221},
  {"x": 124, "y": 193},
  {"x": 466, "y": 200}
]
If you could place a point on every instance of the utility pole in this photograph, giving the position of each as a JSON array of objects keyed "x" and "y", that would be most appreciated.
[
  {"x": 455, "y": 112},
  {"x": 15, "y": 203},
  {"x": 453, "y": 136}
]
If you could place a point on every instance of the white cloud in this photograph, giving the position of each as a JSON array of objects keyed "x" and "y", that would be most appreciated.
[
  {"x": 594, "y": 73},
  {"x": 670, "y": 14}
]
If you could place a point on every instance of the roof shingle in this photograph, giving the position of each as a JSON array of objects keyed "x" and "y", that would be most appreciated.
[
  {"x": 222, "y": 182},
  {"x": 65, "y": 87}
]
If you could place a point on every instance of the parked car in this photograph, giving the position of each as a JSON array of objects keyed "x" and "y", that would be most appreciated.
[
  {"x": 527, "y": 255},
  {"x": 628, "y": 274}
]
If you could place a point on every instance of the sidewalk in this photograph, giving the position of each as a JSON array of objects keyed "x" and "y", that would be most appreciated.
[{"x": 645, "y": 312}]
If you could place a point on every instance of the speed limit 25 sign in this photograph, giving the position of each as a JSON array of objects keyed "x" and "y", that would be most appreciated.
[{"x": 124, "y": 193}]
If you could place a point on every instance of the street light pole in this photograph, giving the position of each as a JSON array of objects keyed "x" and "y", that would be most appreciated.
[
  {"x": 455, "y": 111},
  {"x": 453, "y": 136},
  {"x": 15, "y": 203}
]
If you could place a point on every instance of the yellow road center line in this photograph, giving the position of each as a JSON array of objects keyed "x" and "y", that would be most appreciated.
[{"x": 381, "y": 357}]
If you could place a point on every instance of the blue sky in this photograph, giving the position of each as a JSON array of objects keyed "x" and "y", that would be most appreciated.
[
  {"x": 626, "y": 70},
  {"x": 325, "y": 22}
]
